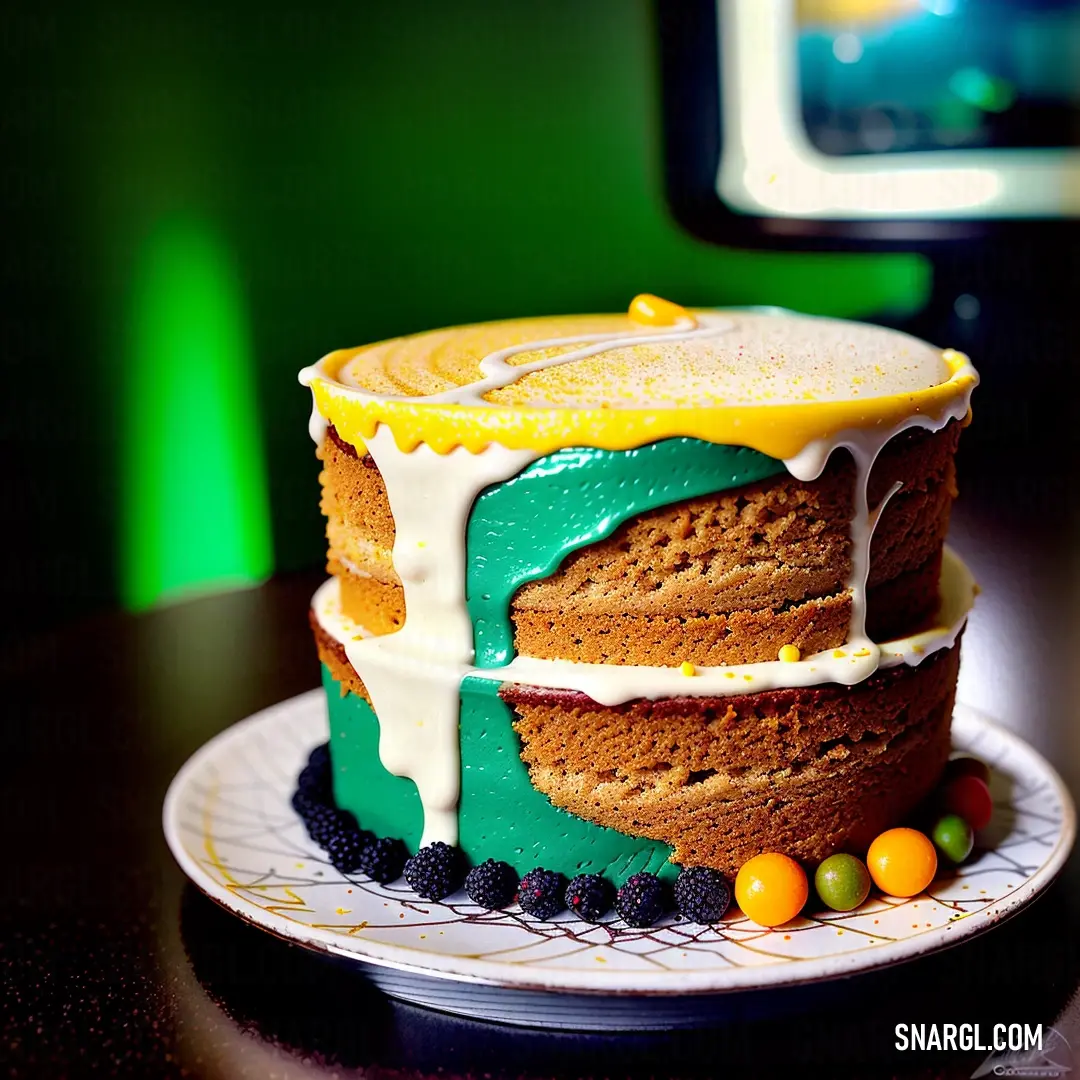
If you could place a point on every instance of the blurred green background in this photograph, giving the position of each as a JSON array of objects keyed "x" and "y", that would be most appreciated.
[{"x": 202, "y": 201}]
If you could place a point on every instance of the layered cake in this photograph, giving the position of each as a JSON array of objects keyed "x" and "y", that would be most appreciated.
[{"x": 625, "y": 593}]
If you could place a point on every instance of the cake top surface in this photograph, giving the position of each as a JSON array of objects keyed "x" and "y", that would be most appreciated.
[
  {"x": 727, "y": 358},
  {"x": 771, "y": 381}
]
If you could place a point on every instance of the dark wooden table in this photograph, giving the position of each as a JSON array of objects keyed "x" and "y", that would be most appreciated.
[{"x": 113, "y": 964}]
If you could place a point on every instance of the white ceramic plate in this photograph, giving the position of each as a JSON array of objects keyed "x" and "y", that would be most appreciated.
[{"x": 228, "y": 821}]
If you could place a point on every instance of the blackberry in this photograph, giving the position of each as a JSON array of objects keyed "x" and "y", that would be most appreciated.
[
  {"x": 641, "y": 900},
  {"x": 434, "y": 871},
  {"x": 541, "y": 891},
  {"x": 305, "y": 804},
  {"x": 346, "y": 847},
  {"x": 491, "y": 884},
  {"x": 323, "y": 821},
  {"x": 590, "y": 896},
  {"x": 383, "y": 860},
  {"x": 701, "y": 894},
  {"x": 315, "y": 780},
  {"x": 319, "y": 758}
]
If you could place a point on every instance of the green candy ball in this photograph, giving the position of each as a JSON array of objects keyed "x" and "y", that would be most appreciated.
[
  {"x": 842, "y": 882},
  {"x": 953, "y": 837}
]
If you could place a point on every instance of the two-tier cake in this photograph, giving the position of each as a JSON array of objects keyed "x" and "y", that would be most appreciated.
[{"x": 630, "y": 592}]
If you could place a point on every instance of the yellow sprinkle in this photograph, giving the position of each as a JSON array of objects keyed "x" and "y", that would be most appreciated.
[
  {"x": 790, "y": 654},
  {"x": 601, "y": 960},
  {"x": 861, "y": 652},
  {"x": 344, "y": 911},
  {"x": 654, "y": 311},
  {"x": 421, "y": 543},
  {"x": 839, "y": 653},
  {"x": 687, "y": 668},
  {"x": 299, "y": 866},
  {"x": 918, "y": 650},
  {"x": 729, "y": 674},
  {"x": 749, "y": 678}
]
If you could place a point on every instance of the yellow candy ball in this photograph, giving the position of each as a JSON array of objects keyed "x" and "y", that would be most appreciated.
[
  {"x": 771, "y": 889},
  {"x": 902, "y": 862},
  {"x": 790, "y": 654}
]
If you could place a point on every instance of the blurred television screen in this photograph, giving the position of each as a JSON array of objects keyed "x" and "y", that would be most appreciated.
[
  {"x": 905, "y": 76},
  {"x": 912, "y": 112}
]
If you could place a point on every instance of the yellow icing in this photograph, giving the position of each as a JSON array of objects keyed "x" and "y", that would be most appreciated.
[
  {"x": 623, "y": 396},
  {"x": 780, "y": 431}
]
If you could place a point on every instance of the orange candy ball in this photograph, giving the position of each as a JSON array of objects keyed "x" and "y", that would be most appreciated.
[
  {"x": 902, "y": 862},
  {"x": 771, "y": 889}
]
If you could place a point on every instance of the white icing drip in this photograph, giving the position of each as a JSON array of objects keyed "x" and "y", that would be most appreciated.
[
  {"x": 430, "y": 497},
  {"x": 614, "y": 684},
  {"x": 317, "y": 425},
  {"x": 498, "y": 372},
  {"x": 864, "y": 445}
]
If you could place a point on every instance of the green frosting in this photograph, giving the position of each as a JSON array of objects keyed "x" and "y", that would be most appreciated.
[
  {"x": 523, "y": 528},
  {"x": 502, "y": 815},
  {"x": 388, "y": 805}
]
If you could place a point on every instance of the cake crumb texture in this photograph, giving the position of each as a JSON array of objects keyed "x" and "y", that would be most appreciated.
[
  {"x": 724, "y": 579},
  {"x": 808, "y": 771}
]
